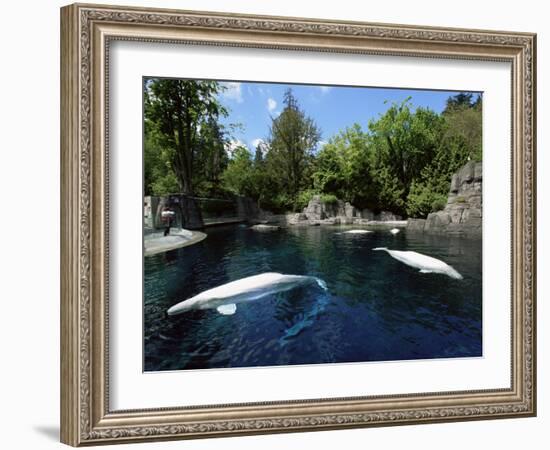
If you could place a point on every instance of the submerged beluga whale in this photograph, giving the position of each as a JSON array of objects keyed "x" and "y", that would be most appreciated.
[
  {"x": 224, "y": 298},
  {"x": 426, "y": 264},
  {"x": 356, "y": 232}
]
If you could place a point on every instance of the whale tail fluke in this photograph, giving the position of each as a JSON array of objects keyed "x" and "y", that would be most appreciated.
[
  {"x": 307, "y": 320},
  {"x": 454, "y": 274},
  {"x": 321, "y": 283}
]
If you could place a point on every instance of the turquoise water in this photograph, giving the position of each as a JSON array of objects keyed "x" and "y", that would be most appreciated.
[{"x": 374, "y": 308}]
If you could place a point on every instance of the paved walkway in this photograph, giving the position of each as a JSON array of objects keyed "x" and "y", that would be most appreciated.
[{"x": 179, "y": 237}]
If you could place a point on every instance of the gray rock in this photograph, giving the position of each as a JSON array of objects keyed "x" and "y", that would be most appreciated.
[
  {"x": 455, "y": 183},
  {"x": 416, "y": 225},
  {"x": 455, "y": 212},
  {"x": 478, "y": 171},
  {"x": 385, "y": 216},
  {"x": 438, "y": 220},
  {"x": 462, "y": 214},
  {"x": 349, "y": 210},
  {"x": 345, "y": 220},
  {"x": 314, "y": 209},
  {"x": 367, "y": 214},
  {"x": 337, "y": 212},
  {"x": 359, "y": 221},
  {"x": 466, "y": 173},
  {"x": 474, "y": 213}
]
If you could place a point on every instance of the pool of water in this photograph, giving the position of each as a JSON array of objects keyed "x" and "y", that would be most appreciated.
[{"x": 374, "y": 308}]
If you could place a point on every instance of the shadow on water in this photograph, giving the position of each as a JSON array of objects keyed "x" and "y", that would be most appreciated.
[{"x": 375, "y": 308}]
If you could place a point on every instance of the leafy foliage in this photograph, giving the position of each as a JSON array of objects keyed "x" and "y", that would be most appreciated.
[
  {"x": 238, "y": 177},
  {"x": 181, "y": 117},
  {"x": 402, "y": 163},
  {"x": 293, "y": 138},
  {"x": 345, "y": 168}
]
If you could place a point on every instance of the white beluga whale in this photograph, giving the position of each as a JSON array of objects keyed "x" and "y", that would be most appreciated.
[
  {"x": 224, "y": 298},
  {"x": 426, "y": 264},
  {"x": 357, "y": 232},
  {"x": 394, "y": 230}
]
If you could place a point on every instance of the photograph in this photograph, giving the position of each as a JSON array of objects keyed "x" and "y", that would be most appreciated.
[{"x": 297, "y": 224}]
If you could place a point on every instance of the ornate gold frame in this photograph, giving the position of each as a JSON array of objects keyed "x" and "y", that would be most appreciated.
[{"x": 86, "y": 31}]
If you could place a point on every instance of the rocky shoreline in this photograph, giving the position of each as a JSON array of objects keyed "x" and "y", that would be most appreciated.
[
  {"x": 463, "y": 213},
  {"x": 461, "y": 216},
  {"x": 319, "y": 212}
]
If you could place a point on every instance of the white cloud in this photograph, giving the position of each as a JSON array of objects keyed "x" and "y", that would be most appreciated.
[
  {"x": 271, "y": 104},
  {"x": 233, "y": 91},
  {"x": 263, "y": 145},
  {"x": 231, "y": 146},
  {"x": 325, "y": 89},
  {"x": 257, "y": 142}
]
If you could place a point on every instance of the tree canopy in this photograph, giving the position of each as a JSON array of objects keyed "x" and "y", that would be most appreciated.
[
  {"x": 181, "y": 119},
  {"x": 293, "y": 138},
  {"x": 402, "y": 162}
]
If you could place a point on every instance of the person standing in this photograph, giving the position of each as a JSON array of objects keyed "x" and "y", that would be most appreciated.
[{"x": 167, "y": 215}]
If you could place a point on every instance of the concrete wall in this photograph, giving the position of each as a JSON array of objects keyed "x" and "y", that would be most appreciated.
[{"x": 189, "y": 214}]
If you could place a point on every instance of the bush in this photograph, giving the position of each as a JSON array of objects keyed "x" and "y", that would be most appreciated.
[
  {"x": 422, "y": 200},
  {"x": 168, "y": 184},
  {"x": 438, "y": 204},
  {"x": 329, "y": 199},
  {"x": 281, "y": 203}
]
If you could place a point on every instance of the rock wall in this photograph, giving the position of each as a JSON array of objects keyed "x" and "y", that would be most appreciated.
[
  {"x": 318, "y": 212},
  {"x": 462, "y": 214}
]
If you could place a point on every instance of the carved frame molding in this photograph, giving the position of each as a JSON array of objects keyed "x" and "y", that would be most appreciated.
[{"x": 86, "y": 31}]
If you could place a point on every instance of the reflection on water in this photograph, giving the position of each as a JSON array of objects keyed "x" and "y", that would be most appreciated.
[{"x": 376, "y": 308}]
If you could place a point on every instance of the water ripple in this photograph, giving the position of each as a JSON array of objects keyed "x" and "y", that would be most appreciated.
[{"x": 376, "y": 308}]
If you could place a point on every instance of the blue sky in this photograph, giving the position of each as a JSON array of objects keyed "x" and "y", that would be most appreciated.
[{"x": 332, "y": 108}]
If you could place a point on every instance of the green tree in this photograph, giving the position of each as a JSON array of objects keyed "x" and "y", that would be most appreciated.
[
  {"x": 159, "y": 178},
  {"x": 211, "y": 159},
  {"x": 405, "y": 142},
  {"x": 459, "y": 142},
  {"x": 293, "y": 139},
  {"x": 177, "y": 111},
  {"x": 463, "y": 117},
  {"x": 344, "y": 168},
  {"x": 238, "y": 177},
  {"x": 264, "y": 180},
  {"x": 462, "y": 100}
]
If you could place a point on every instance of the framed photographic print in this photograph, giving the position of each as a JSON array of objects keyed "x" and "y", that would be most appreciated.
[{"x": 279, "y": 224}]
